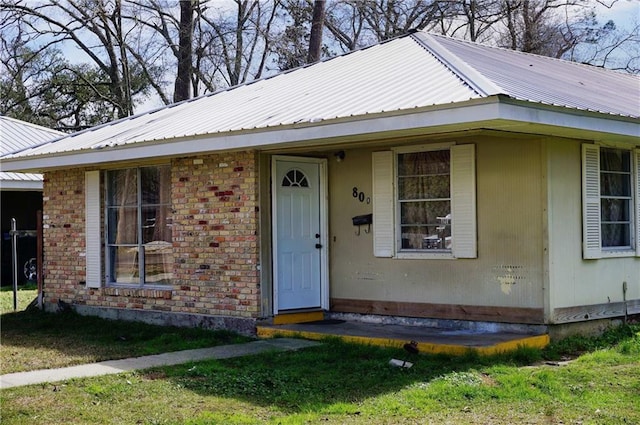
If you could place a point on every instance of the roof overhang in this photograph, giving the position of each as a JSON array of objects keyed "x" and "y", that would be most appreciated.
[
  {"x": 21, "y": 185},
  {"x": 494, "y": 113}
]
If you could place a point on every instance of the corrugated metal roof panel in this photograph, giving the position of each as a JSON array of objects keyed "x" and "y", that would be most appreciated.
[
  {"x": 551, "y": 81},
  {"x": 16, "y": 135},
  {"x": 409, "y": 72},
  {"x": 381, "y": 78},
  {"x": 19, "y": 177},
  {"x": 396, "y": 75}
]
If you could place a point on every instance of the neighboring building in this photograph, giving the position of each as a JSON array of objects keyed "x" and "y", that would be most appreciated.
[
  {"x": 500, "y": 186},
  {"x": 20, "y": 194}
]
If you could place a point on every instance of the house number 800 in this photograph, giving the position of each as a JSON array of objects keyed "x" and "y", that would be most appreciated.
[{"x": 360, "y": 195}]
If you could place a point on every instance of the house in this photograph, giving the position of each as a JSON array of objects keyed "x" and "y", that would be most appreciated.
[
  {"x": 20, "y": 194},
  {"x": 420, "y": 178}
]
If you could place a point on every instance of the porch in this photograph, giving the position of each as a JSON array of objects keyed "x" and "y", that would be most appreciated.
[{"x": 429, "y": 339}]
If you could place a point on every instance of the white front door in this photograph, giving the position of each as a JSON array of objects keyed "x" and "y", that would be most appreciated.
[{"x": 298, "y": 239}]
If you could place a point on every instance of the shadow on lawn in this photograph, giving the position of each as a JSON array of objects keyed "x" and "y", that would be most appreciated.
[
  {"x": 335, "y": 372},
  {"x": 338, "y": 372},
  {"x": 91, "y": 338}
]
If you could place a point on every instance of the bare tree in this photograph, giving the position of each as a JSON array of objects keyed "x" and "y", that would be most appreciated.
[
  {"x": 182, "y": 89},
  {"x": 469, "y": 19},
  {"x": 317, "y": 23},
  {"x": 291, "y": 48},
  {"x": 95, "y": 28},
  {"x": 608, "y": 47},
  {"x": 239, "y": 45},
  {"x": 42, "y": 87},
  {"x": 539, "y": 26},
  {"x": 390, "y": 18},
  {"x": 167, "y": 36},
  {"x": 345, "y": 25},
  {"x": 19, "y": 64},
  {"x": 353, "y": 24}
]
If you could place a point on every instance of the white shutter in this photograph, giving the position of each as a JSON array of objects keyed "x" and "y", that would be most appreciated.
[
  {"x": 463, "y": 202},
  {"x": 591, "y": 202},
  {"x": 637, "y": 169},
  {"x": 93, "y": 243},
  {"x": 383, "y": 204}
]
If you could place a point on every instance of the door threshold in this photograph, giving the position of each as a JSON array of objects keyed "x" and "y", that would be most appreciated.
[{"x": 298, "y": 316}]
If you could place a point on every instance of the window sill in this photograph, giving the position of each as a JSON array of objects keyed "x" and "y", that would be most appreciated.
[
  {"x": 138, "y": 292},
  {"x": 618, "y": 253},
  {"x": 424, "y": 256}
]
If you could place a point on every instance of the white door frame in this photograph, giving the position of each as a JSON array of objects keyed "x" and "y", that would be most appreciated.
[{"x": 324, "y": 227}]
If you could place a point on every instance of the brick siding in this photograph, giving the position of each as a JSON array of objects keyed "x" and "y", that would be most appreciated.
[
  {"x": 64, "y": 234},
  {"x": 215, "y": 241}
]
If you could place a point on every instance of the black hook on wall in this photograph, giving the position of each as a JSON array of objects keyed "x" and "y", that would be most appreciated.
[{"x": 361, "y": 220}]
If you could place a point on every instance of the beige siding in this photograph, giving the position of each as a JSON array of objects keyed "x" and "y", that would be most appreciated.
[
  {"x": 508, "y": 271},
  {"x": 574, "y": 281}
]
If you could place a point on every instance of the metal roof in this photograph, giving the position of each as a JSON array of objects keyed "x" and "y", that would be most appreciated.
[
  {"x": 399, "y": 76},
  {"x": 551, "y": 81},
  {"x": 19, "y": 178},
  {"x": 16, "y": 135}
]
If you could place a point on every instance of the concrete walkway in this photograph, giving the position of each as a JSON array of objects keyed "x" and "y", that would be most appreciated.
[{"x": 166, "y": 359}]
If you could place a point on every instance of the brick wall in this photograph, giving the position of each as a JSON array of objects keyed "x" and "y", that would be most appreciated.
[
  {"x": 64, "y": 233},
  {"x": 216, "y": 234},
  {"x": 215, "y": 241}
]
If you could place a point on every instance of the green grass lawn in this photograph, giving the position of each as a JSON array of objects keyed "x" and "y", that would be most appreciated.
[
  {"x": 25, "y": 295},
  {"x": 339, "y": 383},
  {"x": 37, "y": 340}
]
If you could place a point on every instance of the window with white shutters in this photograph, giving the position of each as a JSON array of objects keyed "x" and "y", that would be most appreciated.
[
  {"x": 610, "y": 201},
  {"x": 424, "y": 202}
]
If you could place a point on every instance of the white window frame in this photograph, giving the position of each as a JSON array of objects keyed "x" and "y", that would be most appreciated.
[
  {"x": 142, "y": 283},
  {"x": 386, "y": 226},
  {"x": 591, "y": 215}
]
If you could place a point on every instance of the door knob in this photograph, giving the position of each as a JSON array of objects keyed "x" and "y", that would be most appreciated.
[{"x": 318, "y": 245}]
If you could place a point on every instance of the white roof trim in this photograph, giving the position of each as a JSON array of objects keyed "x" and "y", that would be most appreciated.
[{"x": 21, "y": 185}]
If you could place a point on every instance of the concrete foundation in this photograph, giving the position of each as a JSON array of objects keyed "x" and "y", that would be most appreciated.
[
  {"x": 588, "y": 328},
  {"x": 370, "y": 327},
  {"x": 244, "y": 326}
]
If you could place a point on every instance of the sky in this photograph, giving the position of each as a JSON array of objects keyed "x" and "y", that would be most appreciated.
[{"x": 625, "y": 13}]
